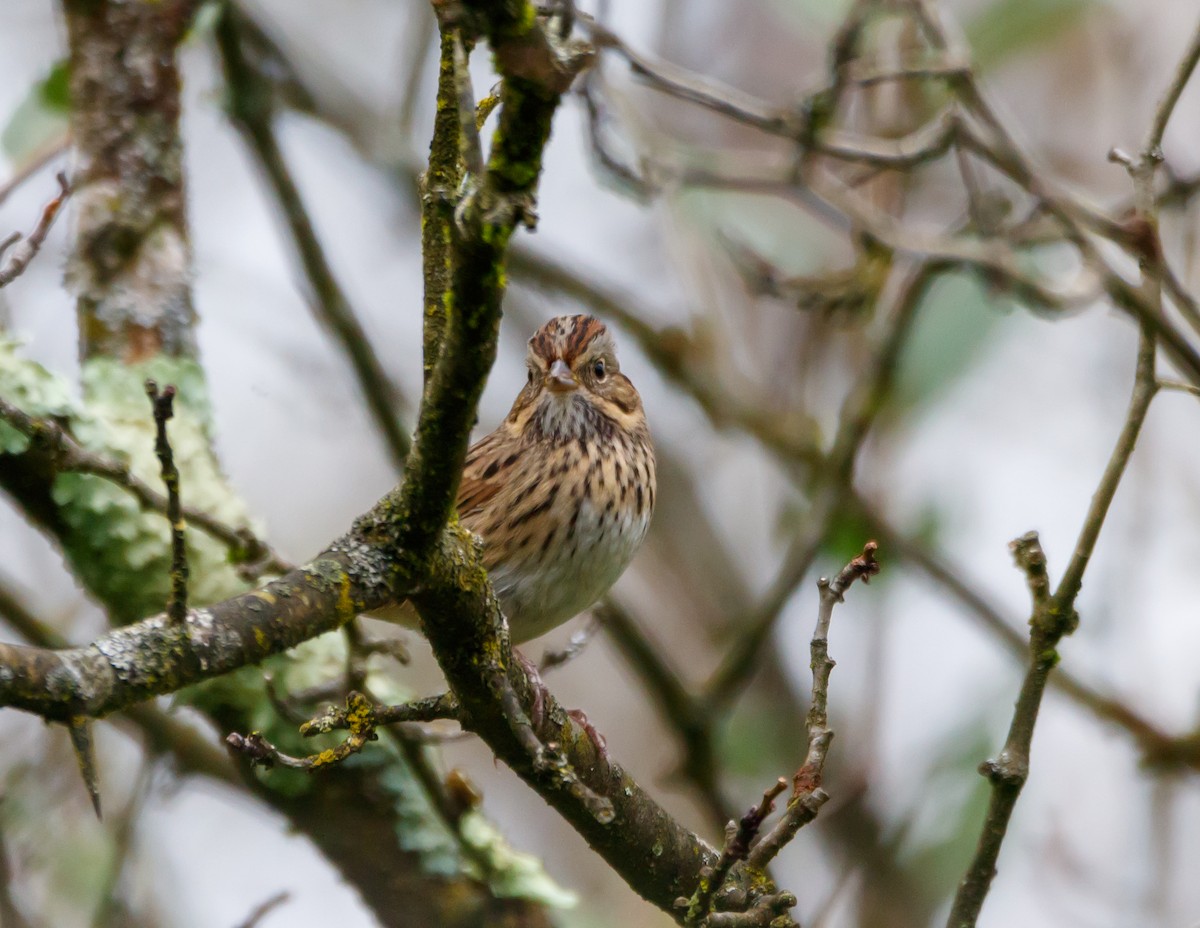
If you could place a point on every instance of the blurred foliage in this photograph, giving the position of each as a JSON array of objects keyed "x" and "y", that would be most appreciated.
[
  {"x": 956, "y": 322},
  {"x": 933, "y": 850},
  {"x": 781, "y": 233},
  {"x": 62, "y": 857},
  {"x": 759, "y": 735},
  {"x": 1008, "y": 28},
  {"x": 41, "y": 118},
  {"x": 845, "y": 539}
]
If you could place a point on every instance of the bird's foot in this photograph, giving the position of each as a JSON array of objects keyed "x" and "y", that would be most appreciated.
[
  {"x": 597, "y": 739},
  {"x": 537, "y": 706}
]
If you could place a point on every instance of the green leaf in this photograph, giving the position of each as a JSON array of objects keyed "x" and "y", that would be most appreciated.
[
  {"x": 1008, "y": 28},
  {"x": 41, "y": 118},
  {"x": 55, "y": 89},
  {"x": 955, "y": 323}
]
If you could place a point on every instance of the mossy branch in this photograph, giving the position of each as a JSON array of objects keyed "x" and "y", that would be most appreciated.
[{"x": 403, "y": 547}]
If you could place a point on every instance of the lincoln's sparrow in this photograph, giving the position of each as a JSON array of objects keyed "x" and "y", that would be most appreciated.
[{"x": 561, "y": 493}]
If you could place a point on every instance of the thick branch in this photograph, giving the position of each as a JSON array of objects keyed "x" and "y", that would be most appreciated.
[{"x": 156, "y": 656}]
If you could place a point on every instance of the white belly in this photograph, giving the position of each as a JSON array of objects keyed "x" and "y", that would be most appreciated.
[{"x": 541, "y": 591}]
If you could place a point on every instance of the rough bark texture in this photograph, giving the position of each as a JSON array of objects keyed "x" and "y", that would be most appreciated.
[
  {"x": 403, "y": 547},
  {"x": 132, "y": 263}
]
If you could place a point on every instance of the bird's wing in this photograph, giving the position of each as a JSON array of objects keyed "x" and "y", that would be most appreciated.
[{"x": 484, "y": 473}]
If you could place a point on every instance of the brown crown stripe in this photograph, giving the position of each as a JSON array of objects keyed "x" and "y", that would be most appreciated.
[{"x": 566, "y": 337}]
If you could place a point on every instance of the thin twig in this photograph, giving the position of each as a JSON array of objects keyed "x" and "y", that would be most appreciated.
[
  {"x": 1177, "y": 387},
  {"x": 575, "y": 646},
  {"x": 360, "y": 717},
  {"x": 32, "y": 165},
  {"x": 163, "y": 405},
  {"x": 1166, "y": 106},
  {"x": 622, "y": 173},
  {"x": 27, "y": 250},
  {"x": 696, "y": 88},
  {"x": 360, "y": 712},
  {"x": 1053, "y": 617},
  {"x": 738, "y": 838},
  {"x": 263, "y": 909},
  {"x": 807, "y": 796},
  {"x": 1145, "y": 387}
]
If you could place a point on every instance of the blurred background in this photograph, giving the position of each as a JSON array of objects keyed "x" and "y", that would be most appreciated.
[{"x": 1000, "y": 421}]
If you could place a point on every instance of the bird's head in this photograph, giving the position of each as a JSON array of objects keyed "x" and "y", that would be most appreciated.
[{"x": 574, "y": 381}]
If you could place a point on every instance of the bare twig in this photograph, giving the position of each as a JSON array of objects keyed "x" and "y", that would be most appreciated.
[
  {"x": 262, "y": 752},
  {"x": 698, "y": 89},
  {"x": 32, "y": 165},
  {"x": 1177, "y": 387},
  {"x": 1053, "y": 617},
  {"x": 360, "y": 712},
  {"x": 1145, "y": 387},
  {"x": 163, "y": 405},
  {"x": 1166, "y": 105},
  {"x": 263, "y": 909},
  {"x": 26, "y": 250},
  {"x": 626, "y": 175},
  {"x": 360, "y": 717},
  {"x": 738, "y": 838},
  {"x": 1157, "y": 746},
  {"x": 807, "y": 795}
]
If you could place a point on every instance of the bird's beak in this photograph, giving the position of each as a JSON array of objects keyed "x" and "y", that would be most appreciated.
[{"x": 560, "y": 379}]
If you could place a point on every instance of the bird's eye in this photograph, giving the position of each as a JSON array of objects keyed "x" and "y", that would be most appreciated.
[
  {"x": 530, "y": 375},
  {"x": 598, "y": 369}
]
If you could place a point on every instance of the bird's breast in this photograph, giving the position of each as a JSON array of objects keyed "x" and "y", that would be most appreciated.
[{"x": 575, "y": 530}]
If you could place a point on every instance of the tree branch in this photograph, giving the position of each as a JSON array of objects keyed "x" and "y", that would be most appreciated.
[
  {"x": 27, "y": 249},
  {"x": 1053, "y": 617}
]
